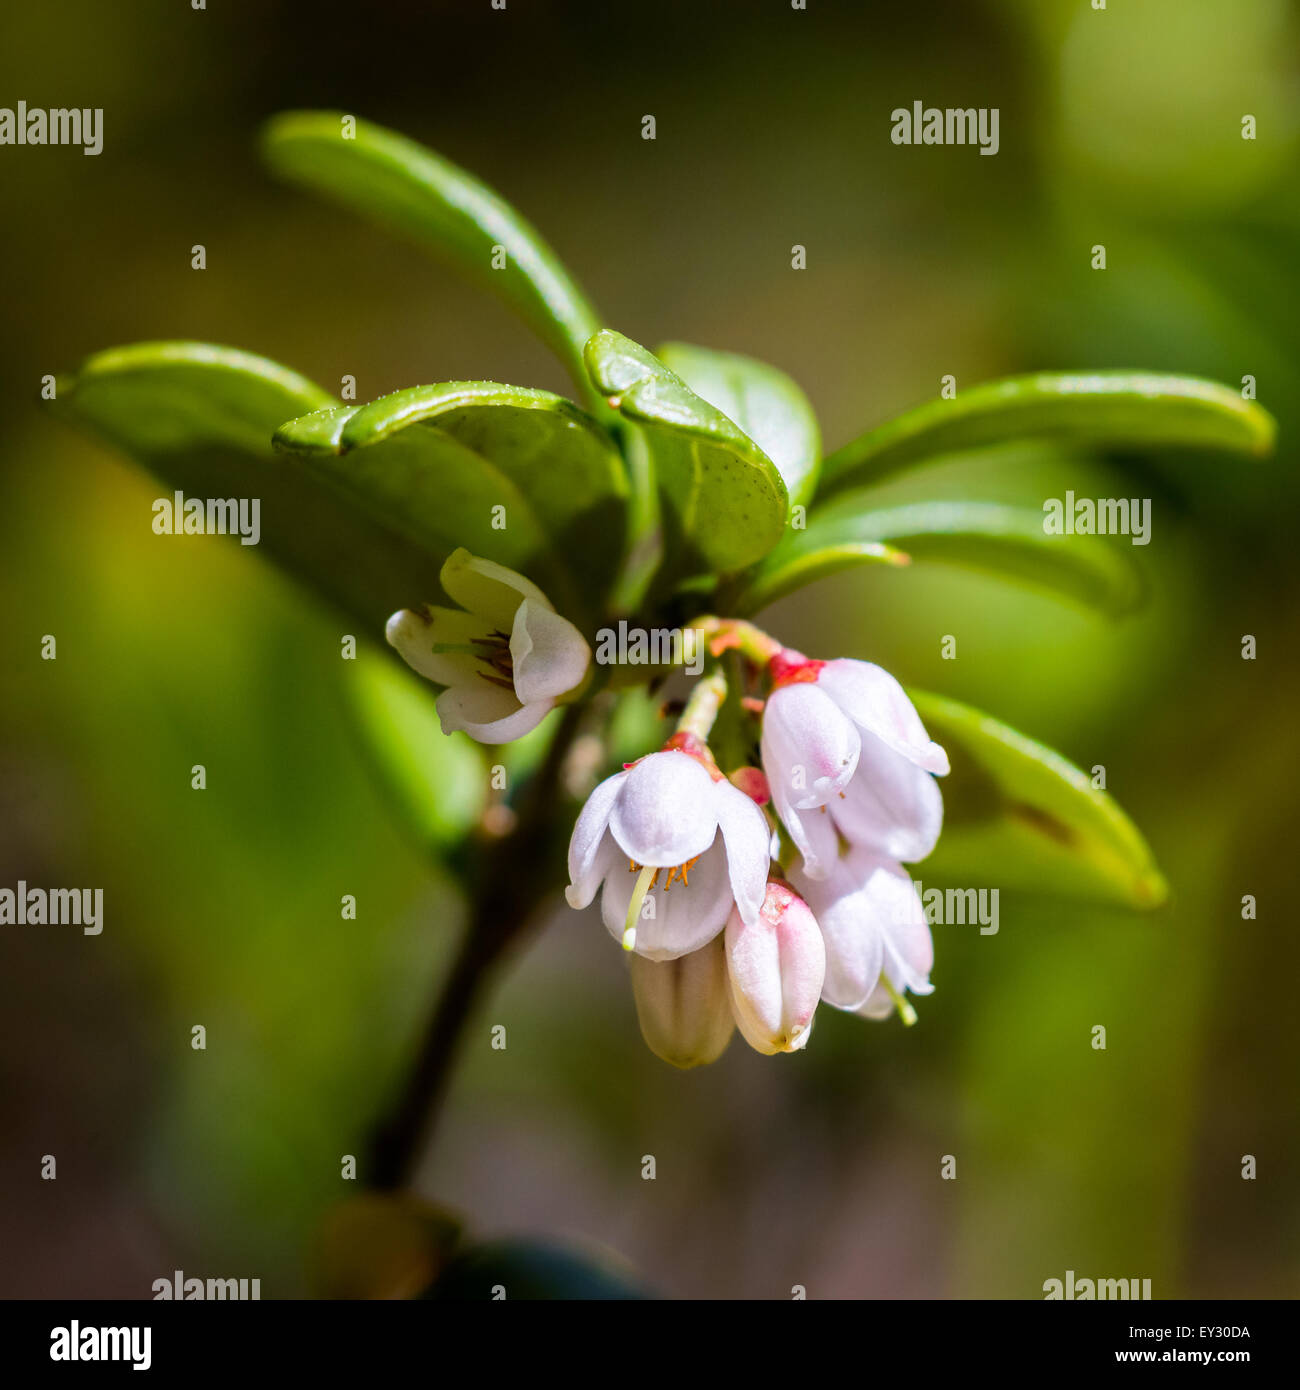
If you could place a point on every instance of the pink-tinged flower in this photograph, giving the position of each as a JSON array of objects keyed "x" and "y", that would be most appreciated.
[
  {"x": 683, "y": 1005},
  {"x": 776, "y": 966},
  {"x": 848, "y": 759},
  {"x": 875, "y": 930},
  {"x": 671, "y": 846},
  {"x": 507, "y": 660}
]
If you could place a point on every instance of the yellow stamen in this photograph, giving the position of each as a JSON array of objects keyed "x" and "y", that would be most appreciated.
[{"x": 676, "y": 871}]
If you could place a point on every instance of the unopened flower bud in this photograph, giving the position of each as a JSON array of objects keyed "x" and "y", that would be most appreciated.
[
  {"x": 776, "y": 967},
  {"x": 682, "y": 1005}
]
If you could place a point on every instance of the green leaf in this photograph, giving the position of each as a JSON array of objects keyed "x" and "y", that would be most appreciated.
[
  {"x": 1018, "y": 815},
  {"x": 990, "y": 536},
  {"x": 436, "y": 782},
  {"x": 410, "y": 189},
  {"x": 520, "y": 476},
  {"x": 763, "y": 401},
  {"x": 200, "y": 418},
  {"x": 722, "y": 500},
  {"x": 1099, "y": 409}
]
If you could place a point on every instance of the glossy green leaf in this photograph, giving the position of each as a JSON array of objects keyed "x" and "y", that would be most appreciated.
[
  {"x": 436, "y": 782},
  {"x": 404, "y": 186},
  {"x": 1018, "y": 815},
  {"x": 520, "y": 476},
  {"x": 763, "y": 401},
  {"x": 201, "y": 418},
  {"x": 722, "y": 500},
  {"x": 1100, "y": 409},
  {"x": 1004, "y": 540}
]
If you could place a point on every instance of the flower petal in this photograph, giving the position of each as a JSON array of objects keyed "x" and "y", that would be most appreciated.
[
  {"x": 487, "y": 589},
  {"x": 871, "y": 918},
  {"x": 683, "y": 917},
  {"x": 880, "y": 1004},
  {"x": 875, "y": 701},
  {"x": 814, "y": 835},
  {"x": 586, "y": 860},
  {"x": 488, "y": 713},
  {"x": 891, "y": 805},
  {"x": 748, "y": 844},
  {"x": 777, "y": 967},
  {"x": 665, "y": 812},
  {"x": 855, "y": 948},
  {"x": 909, "y": 946},
  {"x": 548, "y": 653},
  {"x": 413, "y": 633},
  {"x": 909, "y": 954},
  {"x": 810, "y": 747}
]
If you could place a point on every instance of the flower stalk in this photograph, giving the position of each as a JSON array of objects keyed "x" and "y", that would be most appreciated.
[
  {"x": 702, "y": 707},
  {"x": 735, "y": 634}
]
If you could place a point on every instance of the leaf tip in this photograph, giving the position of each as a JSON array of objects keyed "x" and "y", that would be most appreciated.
[
  {"x": 65, "y": 389},
  {"x": 1151, "y": 889},
  {"x": 318, "y": 432},
  {"x": 1265, "y": 424}
]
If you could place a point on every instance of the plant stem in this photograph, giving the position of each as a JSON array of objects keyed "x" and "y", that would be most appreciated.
[
  {"x": 735, "y": 634},
  {"x": 702, "y": 707},
  {"x": 512, "y": 873}
]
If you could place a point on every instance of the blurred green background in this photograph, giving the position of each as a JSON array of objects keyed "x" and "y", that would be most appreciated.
[{"x": 222, "y": 907}]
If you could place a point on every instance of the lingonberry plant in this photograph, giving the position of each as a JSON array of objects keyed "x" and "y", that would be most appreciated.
[{"x": 747, "y": 853}]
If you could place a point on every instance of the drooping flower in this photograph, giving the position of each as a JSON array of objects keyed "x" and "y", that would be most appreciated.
[
  {"x": 673, "y": 816},
  {"x": 848, "y": 760},
  {"x": 877, "y": 938},
  {"x": 506, "y": 656},
  {"x": 684, "y": 1005},
  {"x": 776, "y": 966}
]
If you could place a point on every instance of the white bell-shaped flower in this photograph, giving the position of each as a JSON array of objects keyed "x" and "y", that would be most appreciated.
[
  {"x": 875, "y": 930},
  {"x": 668, "y": 817},
  {"x": 848, "y": 759},
  {"x": 507, "y": 659}
]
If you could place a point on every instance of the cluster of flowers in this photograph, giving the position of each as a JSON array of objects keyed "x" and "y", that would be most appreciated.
[{"x": 745, "y": 899}]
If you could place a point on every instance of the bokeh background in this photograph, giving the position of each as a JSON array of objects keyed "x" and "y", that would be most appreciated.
[{"x": 1119, "y": 126}]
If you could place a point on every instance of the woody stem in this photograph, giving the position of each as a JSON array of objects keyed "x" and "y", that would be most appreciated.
[{"x": 509, "y": 877}]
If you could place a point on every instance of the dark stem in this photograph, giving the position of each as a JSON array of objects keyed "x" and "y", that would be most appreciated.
[{"x": 510, "y": 876}]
